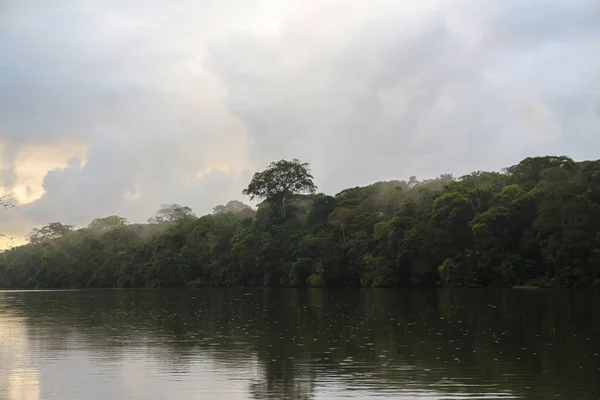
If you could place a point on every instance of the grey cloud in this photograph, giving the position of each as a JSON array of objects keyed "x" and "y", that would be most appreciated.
[
  {"x": 118, "y": 169},
  {"x": 110, "y": 75},
  {"x": 387, "y": 101},
  {"x": 530, "y": 23},
  {"x": 363, "y": 91}
]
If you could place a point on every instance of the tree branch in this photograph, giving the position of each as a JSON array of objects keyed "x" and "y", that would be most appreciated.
[
  {"x": 9, "y": 237},
  {"x": 4, "y": 202}
]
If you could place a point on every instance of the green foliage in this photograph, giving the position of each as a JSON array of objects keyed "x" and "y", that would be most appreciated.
[
  {"x": 52, "y": 231},
  {"x": 536, "y": 224},
  {"x": 171, "y": 213},
  {"x": 235, "y": 207},
  {"x": 107, "y": 223},
  {"x": 280, "y": 183}
]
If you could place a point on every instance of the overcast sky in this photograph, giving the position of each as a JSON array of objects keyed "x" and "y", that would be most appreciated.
[{"x": 116, "y": 106}]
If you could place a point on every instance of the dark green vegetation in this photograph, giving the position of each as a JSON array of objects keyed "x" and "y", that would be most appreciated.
[{"x": 535, "y": 224}]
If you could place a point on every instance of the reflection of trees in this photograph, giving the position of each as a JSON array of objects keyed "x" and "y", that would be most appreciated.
[{"x": 534, "y": 344}]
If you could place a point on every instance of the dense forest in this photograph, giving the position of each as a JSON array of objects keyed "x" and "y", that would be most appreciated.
[{"x": 536, "y": 223}]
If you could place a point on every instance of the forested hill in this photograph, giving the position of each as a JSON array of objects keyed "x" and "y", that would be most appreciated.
[{"x": 536, "y": 223}]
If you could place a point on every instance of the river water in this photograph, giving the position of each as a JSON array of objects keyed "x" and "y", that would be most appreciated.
[{"x": 299, "y": 344}]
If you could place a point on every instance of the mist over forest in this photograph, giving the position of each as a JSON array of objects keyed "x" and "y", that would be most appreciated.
[{"x": 533, "y": 224}]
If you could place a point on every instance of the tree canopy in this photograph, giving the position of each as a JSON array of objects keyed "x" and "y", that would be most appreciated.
[
  {"x": 52, "y": 231},
  {"x": 235, "y": 207},
  {"x": 536, "y": 223},
  {"x": 171, "y": 213},
  {"x": 107, "y": 223},
  {"x": 280, "y": 182}
]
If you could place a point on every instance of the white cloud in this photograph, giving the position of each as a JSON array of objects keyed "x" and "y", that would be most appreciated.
[{"x": 181, "y": 101}]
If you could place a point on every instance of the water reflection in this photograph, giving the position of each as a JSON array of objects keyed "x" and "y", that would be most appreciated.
[
  {"x": 23, "y": 384},
  {"x": 312, "y": 344},
  {"x": 19, "y": 381}
]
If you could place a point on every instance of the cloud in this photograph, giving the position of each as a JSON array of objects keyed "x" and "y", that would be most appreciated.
[
  {"x": 180, "y": 102},
  {"x": 427, "y": 89}
]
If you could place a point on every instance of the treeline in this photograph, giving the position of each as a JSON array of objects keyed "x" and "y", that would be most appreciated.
[{"x": 536, "y": 223}]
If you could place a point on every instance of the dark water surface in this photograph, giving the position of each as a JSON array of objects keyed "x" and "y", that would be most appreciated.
[{"x": 299, "y": 344}]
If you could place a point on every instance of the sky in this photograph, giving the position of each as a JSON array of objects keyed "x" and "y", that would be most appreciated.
[{"x": 118, "y": 106}]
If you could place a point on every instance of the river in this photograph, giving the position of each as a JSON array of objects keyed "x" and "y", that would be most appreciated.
[{"x": 299, "y": 344}]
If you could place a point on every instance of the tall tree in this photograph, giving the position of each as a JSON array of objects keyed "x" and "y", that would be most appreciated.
[
  {"x": 235, "y": 207},
  {"x": 280, "y": 183},
  {"x": 537, "y": 225},
  {"x": 107, "y": 223},
  {"x": 171, "y": 213},
  {"x": 52, "y": 231},
  {"x": 339, "y": 218}
]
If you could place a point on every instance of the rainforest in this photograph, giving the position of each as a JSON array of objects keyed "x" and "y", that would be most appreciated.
[{"x": 535, "y": 224}]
